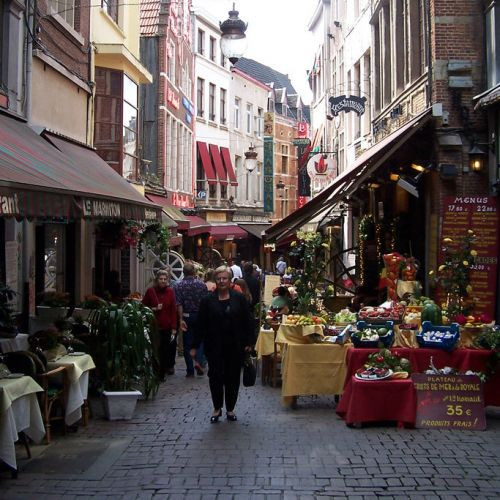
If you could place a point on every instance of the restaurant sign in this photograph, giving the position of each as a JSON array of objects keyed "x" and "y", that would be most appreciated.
[
  {"x": 100, "y": 208},
  {"x": 347, "y": 104},
  {"x": 449, "y": 402},
  {"x": 9, "y": 204}
]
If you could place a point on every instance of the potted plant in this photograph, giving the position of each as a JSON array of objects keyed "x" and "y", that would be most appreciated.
[
  {"x": 125, "y": 356},
  {"x": 8, "y": 327},
  {"x": 89, "y": 304},
  {"x": 53, "y": 305}
]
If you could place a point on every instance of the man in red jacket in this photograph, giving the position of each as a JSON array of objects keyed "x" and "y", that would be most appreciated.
[{"x": 161, "y": 299}]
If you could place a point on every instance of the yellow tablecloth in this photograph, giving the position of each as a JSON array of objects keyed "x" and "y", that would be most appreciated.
[
  {"x": 297, "y": 334},
  {"x": 11, "y": 389},
  {"x": 265, "y": 343},
  {"x": 313, "y": 369},
  {"x": 76, "y": 365}
]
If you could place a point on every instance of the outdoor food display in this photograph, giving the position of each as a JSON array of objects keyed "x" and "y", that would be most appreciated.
[
  {"x": 438, "y": 337},
  {"x": 373, "y": 373},
  {"x": 302, "y": 320},
  {"x": 345, "y": 316},
  {"x": 382, "y": 314},
  {"x": 368, "y": 335}
]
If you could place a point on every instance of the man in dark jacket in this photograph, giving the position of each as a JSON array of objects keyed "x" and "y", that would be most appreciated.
[{"x": 225, "y": 327}]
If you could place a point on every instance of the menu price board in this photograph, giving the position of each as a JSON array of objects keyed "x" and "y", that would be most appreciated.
[
  {"x": 449, "y": 402},
  {"x": 479, "y": 213}
]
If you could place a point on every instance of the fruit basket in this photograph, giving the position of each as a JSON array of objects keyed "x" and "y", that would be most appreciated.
[
  {"x": 438, "y": 337},
  {"x": 371, "y": 335}
]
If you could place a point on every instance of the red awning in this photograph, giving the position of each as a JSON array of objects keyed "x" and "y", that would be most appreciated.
[
  {"x": 217, "y": 161},
  {"x": 197, "y": 225},
  {"x": 229, "y": 166},
  {"x": 228, "y": 232},
  {"x": 173, "y": 212},
  {"x": 206, "y": 162}
]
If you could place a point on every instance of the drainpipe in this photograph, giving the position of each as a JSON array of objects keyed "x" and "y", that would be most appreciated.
[
  {"x": 429, "y": 54},
  {"x": 29, "y": 57}
]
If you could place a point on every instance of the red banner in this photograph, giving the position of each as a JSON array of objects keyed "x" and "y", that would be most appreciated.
[{"x": 479, "y": 213}]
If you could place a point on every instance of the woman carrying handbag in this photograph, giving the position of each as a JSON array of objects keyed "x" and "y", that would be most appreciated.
[{"x": 161, "y": 299}]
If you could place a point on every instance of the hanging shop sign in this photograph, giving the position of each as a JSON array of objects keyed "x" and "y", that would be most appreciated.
[
  {"x": 268, "y": 174},
  {"x": 321, "y": 172},
  {"x": 480, "y": 214},
  {"x": 304, "y": 181},
  {"x": 303, "y": 129},
  {"x": 347, "y": 104},
  {"x": 449, "y": 402}
]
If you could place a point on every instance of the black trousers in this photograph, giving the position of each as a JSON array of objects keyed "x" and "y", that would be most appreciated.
[
  {"x": 224, "y": 379},
  {"x": 168, "y": 351}
]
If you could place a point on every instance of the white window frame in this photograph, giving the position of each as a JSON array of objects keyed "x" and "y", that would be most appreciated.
[
  {"x": 237, "y": 112},
  {"x": 249, "y": 115}
]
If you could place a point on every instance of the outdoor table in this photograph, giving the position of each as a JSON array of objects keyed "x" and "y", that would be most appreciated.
[
  {"x": 460, "y": 359},
  {"x": 312, "y": 369},
  {"x": 78, "y": 376},
  {"x": 18, "y": 343},
  {"x": 378, "y": 401},
  {"x": 19, "y": 412},
  {"x": 265, "y": 343}
]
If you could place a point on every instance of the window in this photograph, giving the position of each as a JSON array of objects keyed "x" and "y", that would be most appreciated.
[
  {"x": 201, "y": 42},
  {"x": 249, "y": 117},
  {"x": 259, "y": 122},
  {"x": 200, "y": 95},
  {"x": 129, "y": 128},
  {"x": 284, "y": 158},
  {"x": 492, "y": 44},
  {"x": 222, "y": 59},
  {"x": 110, "y": 7},
  {"x": 422, "y": 29},
  {"x": 222, "y": 110},
  {"x": 65, "y": 9},
  {"x": 213, "y": 50},
  {"x": 211, "y": 101},
  {"x": 168, "y": 168},
  {"x": 171, "y": 62},
  {"x": 237, "y": 105}
]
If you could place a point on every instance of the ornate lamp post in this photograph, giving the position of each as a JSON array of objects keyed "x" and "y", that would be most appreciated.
[
  {"x": 233, "y": 42},
  {"x": 251, "y": 158}
]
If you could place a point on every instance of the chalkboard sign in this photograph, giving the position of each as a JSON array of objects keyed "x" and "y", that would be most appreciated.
[{"x": 449, "y": 402}]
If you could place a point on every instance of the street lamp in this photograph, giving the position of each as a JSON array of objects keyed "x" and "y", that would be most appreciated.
[
  {"x": 476, "y": 158},
  {"x": 233, "y": 41},
  {"x": 251, "y": 158}
]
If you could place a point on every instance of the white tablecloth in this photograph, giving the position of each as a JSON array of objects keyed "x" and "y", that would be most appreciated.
[
  {"x": 18, "y": 343},
  {"x": 78, "y": 374},
  {"x": 23, "y": 414}
]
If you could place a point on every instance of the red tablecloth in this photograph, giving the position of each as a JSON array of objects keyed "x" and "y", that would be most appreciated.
[
  {"x": 461, "y": 359},
  {"x": 378, "y": 400}
]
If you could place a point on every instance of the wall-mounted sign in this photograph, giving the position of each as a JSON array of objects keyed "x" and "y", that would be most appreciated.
[
  {"x": 302, "y": 129},
  {"x": 201, "y": 194},
  {"x": 347, "y": 104},
  {"x": 268, "y": 174},
  {"x": 187, "y": 105},
  {"x": 181, "y": 200},
  {"x": 173, "y": 98},
  {"x": 301, "y": 141},
  {"x": 269, "y": 123}
]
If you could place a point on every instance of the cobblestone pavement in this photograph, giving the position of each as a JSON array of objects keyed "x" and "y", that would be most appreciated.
[{"x": 270, "y": 453}]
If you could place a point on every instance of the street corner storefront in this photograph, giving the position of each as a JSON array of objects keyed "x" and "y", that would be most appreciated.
[
  {"x": 375, "y": 207},
  {"x": 53, "y": 196}
]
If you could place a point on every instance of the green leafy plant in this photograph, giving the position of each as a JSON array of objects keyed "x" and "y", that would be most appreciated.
[
  {"x": 155, "y": 237},
  {"x": 7, "y": 319},
  {"x": 311, "y": 249},
  {"x": 385, "y": 359},
  {"x": 125, "y": 356}
]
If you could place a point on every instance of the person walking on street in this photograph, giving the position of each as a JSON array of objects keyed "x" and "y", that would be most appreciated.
[
  {"x": 235, "y": 269},
  {"x": 188, "y": 293},
  {"x": 281, "y": 265},
  {"x": 225, "y": 327},
  {"x": 161, "y": 299},
  {"x": 253, "y": 283}
]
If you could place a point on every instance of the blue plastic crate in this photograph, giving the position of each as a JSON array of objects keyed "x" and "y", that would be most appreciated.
[
  {"x": 387, "y": 340},
  {"x": 447, "y": 343}
]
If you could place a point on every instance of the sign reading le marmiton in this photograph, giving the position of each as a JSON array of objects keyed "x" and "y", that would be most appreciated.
[{"x": 350, "y": 103}]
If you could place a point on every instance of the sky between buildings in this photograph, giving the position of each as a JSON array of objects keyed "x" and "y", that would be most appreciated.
[{"x": 277, "y": 34}]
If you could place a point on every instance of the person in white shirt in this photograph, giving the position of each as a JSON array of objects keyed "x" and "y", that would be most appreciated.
[
  {"x": 281, "y": 265},
  {"x": 236, "y": 270}
]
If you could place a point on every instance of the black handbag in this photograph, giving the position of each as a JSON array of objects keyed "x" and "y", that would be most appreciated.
[{"x": 249, "y": 370}]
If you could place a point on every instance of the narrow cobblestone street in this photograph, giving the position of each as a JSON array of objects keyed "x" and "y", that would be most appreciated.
[{"x": 170, "y": 450}]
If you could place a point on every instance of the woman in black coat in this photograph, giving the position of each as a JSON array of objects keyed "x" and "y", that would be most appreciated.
[{"x": 224, "y": 325}]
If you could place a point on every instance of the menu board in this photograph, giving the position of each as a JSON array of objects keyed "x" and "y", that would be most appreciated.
[
  {"x": 271, "y": 282},
  {"x": 479, "y": 213},
  {"x": 449, "y": 402}
]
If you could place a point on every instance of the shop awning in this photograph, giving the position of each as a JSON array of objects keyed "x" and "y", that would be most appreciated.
[
  {"x": 173, "y": 212},
  {"x": 349, "y": 180},
  {"x": 255, "y": 229},
  {"x": 228, "y": 232},
  {"x": 206, "y": 162},
  {"x": 197, "y": 225},
  {"x": 40, "y": 180},
  {"x": 226, "y": 156},
  {"x": 488, "y": 98},
  {"x": 217, "y": 161}
]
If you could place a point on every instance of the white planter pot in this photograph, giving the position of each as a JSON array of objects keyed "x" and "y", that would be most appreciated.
[
  {"x": 119, "y": 405},
  {"x": 47, "y": 313}
]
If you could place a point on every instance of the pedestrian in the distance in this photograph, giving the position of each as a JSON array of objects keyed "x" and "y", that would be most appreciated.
[
  {"x": 235, "y": 269},
  {"x": 188, "y": 293},
  {"x": 224, "y": 326},
  {"x": 209, "y": 280},
  {"x": 281, "y": 265},
  {"x": 161, "y": 299}
]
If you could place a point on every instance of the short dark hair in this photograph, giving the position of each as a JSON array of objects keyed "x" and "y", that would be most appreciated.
[
  {"x": 188, "y": 269},
  {"x": 248, "y": 268}
]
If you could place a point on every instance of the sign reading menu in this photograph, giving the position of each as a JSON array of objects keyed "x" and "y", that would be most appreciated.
[
  {"x": 449, "y": 402},
  {"x": 479, "y": 213}
]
